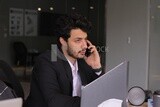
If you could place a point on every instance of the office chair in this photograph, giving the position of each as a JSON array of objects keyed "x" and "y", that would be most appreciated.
[
  {"x": 20, "y": 53},
  {"x": 8, "y": 76},
  {"x": 23, "y": 57}
]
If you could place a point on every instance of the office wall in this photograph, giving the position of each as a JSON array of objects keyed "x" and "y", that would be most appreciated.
[{"x": 127, "y": 39}]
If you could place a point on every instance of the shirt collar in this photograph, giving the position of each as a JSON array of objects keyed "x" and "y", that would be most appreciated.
[{"x": 73, "y": 67}]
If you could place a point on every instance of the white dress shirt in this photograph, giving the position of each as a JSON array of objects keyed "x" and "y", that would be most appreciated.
[{"x": 76, "y": 79}]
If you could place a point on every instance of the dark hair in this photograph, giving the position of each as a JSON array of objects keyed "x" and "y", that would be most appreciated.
[{"x": 66, "y": 23}]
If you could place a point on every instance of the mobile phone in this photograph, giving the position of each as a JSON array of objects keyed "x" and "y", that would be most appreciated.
[{"x": 88, "y": 52}]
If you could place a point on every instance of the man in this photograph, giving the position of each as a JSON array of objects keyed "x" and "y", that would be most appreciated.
[{"x": 58, "y": 83}]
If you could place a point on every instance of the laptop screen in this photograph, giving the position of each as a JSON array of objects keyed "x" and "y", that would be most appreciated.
[
  {"x": 113, "y": 84},
  {"x": 15, "y": 102}
]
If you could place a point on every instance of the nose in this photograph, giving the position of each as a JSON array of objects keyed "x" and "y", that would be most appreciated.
[{"x": 84, "y": 44}]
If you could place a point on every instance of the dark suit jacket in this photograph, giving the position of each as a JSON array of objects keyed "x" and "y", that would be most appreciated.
[{"x": 51, "y": 84}]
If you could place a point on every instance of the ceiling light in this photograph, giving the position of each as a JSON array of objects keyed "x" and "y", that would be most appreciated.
[
  {"x": 39, "y": 9},
  {"x": 91, "y": 7},
  {"x": 51, "y": 8},
  {"x": 73, "y": 8}
]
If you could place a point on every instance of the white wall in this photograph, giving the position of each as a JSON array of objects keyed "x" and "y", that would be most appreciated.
[{"x": 128, "y": 19}]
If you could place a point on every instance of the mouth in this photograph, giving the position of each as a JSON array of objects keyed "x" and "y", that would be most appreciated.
[{"x": 82, "y": 52}]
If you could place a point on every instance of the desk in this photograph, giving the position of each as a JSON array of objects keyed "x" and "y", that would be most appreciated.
[
  {"x": 22, "y": 71},
  {"x": 144, "y": 105}
]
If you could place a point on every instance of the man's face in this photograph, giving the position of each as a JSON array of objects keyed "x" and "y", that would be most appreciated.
[{"x": 77, "y": 44}]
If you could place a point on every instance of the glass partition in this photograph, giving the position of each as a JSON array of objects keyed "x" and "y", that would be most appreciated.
[{"x": 154, "y": 58}]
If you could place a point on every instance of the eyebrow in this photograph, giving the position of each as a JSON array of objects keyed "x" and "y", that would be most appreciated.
[{"x": 81, "y": 38}]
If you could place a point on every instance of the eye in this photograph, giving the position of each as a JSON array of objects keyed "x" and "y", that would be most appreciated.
[{"x": 78, "y": 40}]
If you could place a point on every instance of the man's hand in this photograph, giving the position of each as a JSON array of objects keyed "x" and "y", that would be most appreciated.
[{"x": 93, "y": 59}]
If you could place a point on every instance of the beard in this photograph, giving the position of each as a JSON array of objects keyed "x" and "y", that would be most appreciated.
[
  {"x": 73, "y": 53},
  {"x": 70, "y": 53}
]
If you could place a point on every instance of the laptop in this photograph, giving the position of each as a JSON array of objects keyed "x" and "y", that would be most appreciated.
[
  {"x": 111, "y": 85},
  {"x": 16, "y": 102}
]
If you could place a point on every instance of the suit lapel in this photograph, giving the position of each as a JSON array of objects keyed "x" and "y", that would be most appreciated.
[
  {"x": 81, "y": 71},
  {"x": 66, "y": 66},
  {"x": 68, "y": 70}
]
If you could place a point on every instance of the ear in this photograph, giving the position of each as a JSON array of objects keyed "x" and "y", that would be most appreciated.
[{"x": 62, "y": 41}]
